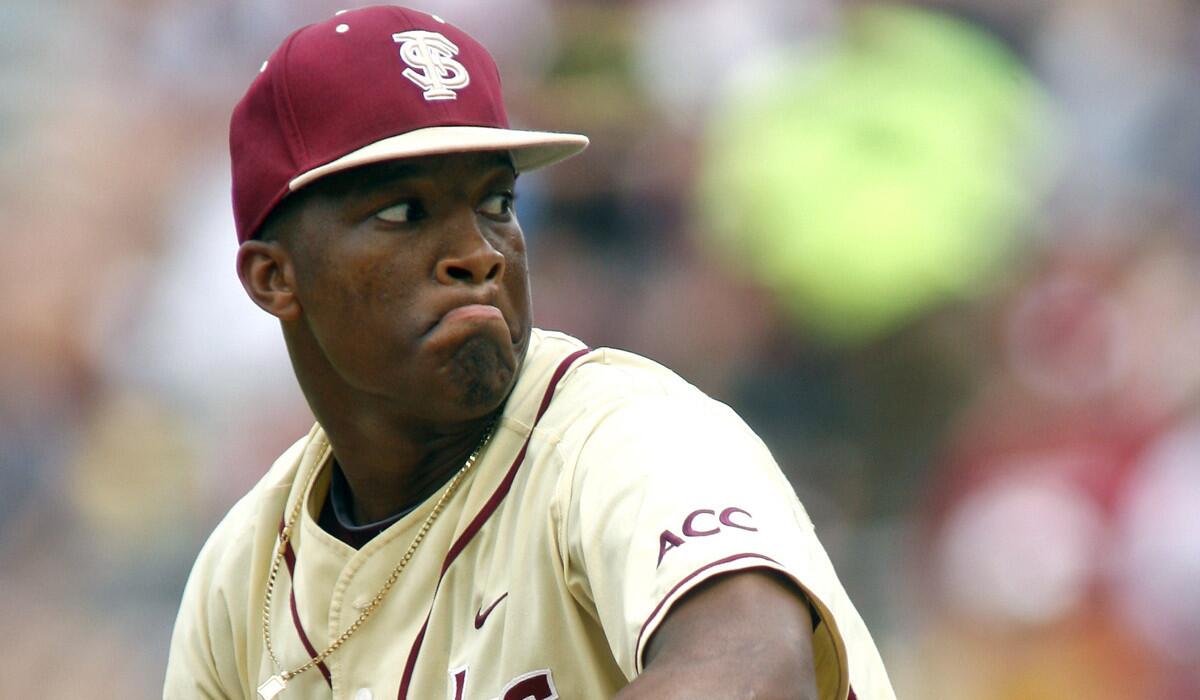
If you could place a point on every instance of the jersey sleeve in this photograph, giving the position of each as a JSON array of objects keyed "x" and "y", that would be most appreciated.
[
  {"x": 202, "y": 644},
  {"x": 667, "y": 493},
  {"x": 214, "y": 644}
]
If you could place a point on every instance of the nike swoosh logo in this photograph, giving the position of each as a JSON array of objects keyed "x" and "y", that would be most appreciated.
[{"x": 482, "y": 616}]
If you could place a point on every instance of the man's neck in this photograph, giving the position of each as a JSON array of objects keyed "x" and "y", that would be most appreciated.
[{"x": 392, "y": 470}]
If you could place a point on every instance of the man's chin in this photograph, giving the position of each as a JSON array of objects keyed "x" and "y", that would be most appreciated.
[{"x": 482, "y": 372}]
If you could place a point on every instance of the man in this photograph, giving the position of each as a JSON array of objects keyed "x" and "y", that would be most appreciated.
[{"x": 484, "y": 509}]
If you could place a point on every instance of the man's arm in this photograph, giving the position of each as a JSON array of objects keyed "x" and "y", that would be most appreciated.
[{"x": 746, "y": 634}]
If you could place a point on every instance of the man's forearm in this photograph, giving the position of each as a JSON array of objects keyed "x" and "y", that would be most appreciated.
[{"x": 743, "y": 635}]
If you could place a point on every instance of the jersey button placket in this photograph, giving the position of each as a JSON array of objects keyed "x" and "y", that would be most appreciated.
[{"x": 364, "y": 694}]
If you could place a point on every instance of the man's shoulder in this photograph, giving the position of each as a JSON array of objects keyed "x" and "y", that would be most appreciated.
[
  {"x": 608, "y": 384},
  {"x": 604, "y": 373},
  {"x": 253, "y": 519}
]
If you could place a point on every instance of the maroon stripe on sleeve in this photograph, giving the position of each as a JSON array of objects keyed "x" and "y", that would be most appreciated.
[
  {"x": 289, "y": 555},
  {"x": 505, "y": 485},
  {"x": 689, "y": 577},
  {"x": 554, "y": 379},
  {"x": 484, "y": 513}
]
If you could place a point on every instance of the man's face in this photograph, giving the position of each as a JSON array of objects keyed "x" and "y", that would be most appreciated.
[{"x": 412, "y": 280}]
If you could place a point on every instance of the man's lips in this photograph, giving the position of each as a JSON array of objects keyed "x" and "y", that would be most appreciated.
[
  {"x": 469, "y": 316},
  {"x": 472, "y": 312}
]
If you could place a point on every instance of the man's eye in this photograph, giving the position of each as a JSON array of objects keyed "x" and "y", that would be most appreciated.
[
  {"x": 499, "y": 204},
  {"x": 401, "y": 213}
]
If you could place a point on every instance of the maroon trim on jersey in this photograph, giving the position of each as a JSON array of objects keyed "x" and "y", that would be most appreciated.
[
  {"x": 689, "y": 577},
  {"x": 484, "y": 513},
  {"x": 851, "y": 696},
  {"x": 289, "y": 556}
]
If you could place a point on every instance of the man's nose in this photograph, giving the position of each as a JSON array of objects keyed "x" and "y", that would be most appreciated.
[{"x": 469, "y": 256}]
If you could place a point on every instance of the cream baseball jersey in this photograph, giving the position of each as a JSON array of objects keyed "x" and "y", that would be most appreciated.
[{"x": 609, "y": 489}]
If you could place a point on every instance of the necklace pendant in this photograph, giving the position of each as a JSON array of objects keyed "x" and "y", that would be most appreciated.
[{"x": 272, "y": 687}]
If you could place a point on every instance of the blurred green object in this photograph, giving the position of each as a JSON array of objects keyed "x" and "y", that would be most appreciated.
[{"x": 887, "y": 174}]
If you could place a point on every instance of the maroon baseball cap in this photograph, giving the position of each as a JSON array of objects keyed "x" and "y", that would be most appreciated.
[{"x": 368, "y": 85}]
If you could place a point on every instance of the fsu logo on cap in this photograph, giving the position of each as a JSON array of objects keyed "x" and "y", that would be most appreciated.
[{"x": 431, "y": 64}]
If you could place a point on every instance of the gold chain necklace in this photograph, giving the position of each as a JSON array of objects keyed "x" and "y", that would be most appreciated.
[{"x": 276, "y": 683}]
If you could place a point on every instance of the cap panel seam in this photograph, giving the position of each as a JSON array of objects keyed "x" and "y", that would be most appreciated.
[{"x": 297, "y": 148}]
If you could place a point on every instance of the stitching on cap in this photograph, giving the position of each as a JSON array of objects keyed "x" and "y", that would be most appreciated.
[{"x": 283, "y": 104}]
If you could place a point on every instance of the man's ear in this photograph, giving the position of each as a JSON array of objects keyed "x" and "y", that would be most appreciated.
[{"x": 268, "y": 276}]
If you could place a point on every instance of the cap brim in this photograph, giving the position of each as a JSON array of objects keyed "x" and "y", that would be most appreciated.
[{"x": 529, "y": 149}]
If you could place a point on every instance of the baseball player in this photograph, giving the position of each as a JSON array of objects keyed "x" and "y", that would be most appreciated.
[{"x": 484, "y": 510}]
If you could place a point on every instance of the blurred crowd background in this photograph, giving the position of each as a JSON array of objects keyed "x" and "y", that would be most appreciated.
[{"x": 944, "y": 256}]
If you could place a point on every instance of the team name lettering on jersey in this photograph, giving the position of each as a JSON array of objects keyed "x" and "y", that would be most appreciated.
[
  {"x": 704, "y": 522},
  {"x": 431, "y": 64},
  {"x": 534, "y": 685}
]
